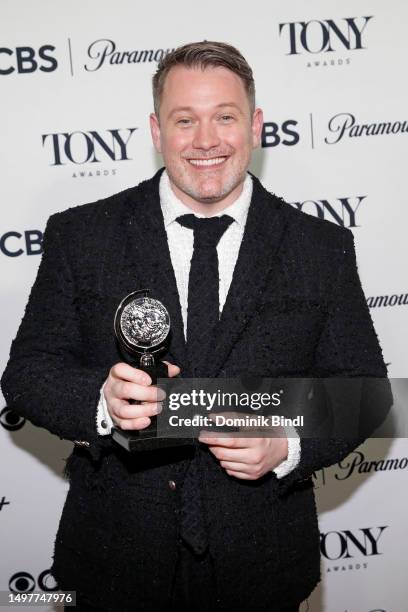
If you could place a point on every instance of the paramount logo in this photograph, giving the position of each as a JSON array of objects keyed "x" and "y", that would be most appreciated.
[
  {"x": 345, "y": 125},
  {"x": 357, "y": 462},
  {"x": 103, "y": 52},
  {"x": 395, "y": 299}
]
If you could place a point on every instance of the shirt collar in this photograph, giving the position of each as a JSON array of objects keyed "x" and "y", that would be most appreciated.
[{"x": 172, "y": 207}]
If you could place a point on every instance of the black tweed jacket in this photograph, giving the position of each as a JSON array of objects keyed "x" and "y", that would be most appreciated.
[{"x": 295, "y": 308}]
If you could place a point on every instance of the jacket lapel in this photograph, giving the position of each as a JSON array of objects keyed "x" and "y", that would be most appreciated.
[{"x": 255, "y": 265}]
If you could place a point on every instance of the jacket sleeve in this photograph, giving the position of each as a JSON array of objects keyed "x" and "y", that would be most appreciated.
[
  {"x": 348, "y": 349},
  {"x": 45, "y": 380}
]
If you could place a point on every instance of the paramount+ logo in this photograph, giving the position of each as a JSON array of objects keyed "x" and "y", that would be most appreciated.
[{"x": 26, "y": 60}]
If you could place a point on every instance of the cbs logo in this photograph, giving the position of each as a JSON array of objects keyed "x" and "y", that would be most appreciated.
[
  {"x": 23, "y": 582},
  {"x": 13, "y": 244},
  {"x": 26, "y": 60},
  {"x": 274, "y": 134},
  {"x": 10, "y": 420}
]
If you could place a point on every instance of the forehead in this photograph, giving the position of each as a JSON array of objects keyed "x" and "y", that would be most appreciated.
[{"x": 202, "y": 87}]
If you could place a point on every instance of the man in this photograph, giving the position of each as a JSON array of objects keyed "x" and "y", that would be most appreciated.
[{"x": 289, "y": 303}]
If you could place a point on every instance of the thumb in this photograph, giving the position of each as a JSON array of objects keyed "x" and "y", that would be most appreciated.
[{"x": 172, "y": 369}]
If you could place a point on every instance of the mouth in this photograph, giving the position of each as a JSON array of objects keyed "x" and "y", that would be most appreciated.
[{"x": 205, "y": 164}]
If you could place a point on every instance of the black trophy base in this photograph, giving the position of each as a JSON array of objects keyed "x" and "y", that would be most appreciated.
[{"x": 135, "y": 441}]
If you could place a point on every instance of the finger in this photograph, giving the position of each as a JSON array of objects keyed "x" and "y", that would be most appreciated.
[
  {"x": 230, "y": 454},
  {"x": 240, "y": 475},
  {"x": 237, "y": 467},
  {"x": 128, "y": 390},
  {"x": 172, "y": 370},
  {"x": 124, "y": 371},
  {"x": 227, "y": 442},
  {"x": 116, "y": 403},
  {"x": 130, "y": 411},
  {"x": 137, "y": 424}
]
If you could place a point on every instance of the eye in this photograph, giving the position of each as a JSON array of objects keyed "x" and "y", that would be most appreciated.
[
  {"x": 183, "y": 122},
  {"x": 227, "y": 118}
]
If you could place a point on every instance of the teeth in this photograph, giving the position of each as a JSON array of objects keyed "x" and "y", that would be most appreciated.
[{"x": 207, "y": 162}]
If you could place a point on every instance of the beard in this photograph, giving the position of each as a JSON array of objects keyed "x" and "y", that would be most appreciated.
[{"x": 211, "y": 186}]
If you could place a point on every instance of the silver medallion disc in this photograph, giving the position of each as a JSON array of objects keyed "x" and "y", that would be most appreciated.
[{"x": 145, "y": 322}]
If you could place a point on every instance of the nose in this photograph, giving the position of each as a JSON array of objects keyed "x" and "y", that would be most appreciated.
[{"x": 206, "y": 136}]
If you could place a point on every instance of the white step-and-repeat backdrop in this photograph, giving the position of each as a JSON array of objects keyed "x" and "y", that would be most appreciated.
[{"x": 331, "y": 77}]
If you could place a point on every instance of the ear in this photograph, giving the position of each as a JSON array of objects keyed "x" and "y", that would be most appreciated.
[
  {"x": 257, "y": 125},
  {"x": 155, "y": 131}
]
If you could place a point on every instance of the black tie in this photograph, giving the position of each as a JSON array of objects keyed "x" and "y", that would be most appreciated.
[
  {"x": 202, "y": 317},
  {"x": 203, "y": 286}
]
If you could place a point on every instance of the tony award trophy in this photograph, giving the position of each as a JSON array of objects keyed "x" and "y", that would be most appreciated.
[{"x": 142, "y": 327}]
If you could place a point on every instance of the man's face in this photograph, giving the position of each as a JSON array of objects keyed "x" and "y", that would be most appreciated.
[{"x": 206, "y": 133}]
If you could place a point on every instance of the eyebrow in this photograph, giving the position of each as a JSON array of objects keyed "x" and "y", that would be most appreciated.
[{"x": 182, "y": 109}]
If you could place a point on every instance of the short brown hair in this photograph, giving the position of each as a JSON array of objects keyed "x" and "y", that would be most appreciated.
[{"x": 204, "y": 54}]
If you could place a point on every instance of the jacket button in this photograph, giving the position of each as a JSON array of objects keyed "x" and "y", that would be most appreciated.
[{"x": 172, "y": 485}]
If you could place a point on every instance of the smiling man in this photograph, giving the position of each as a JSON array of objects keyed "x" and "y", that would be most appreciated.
[
  {"x": 253, "y": 287},
  {"x": 206, "y": 127}
]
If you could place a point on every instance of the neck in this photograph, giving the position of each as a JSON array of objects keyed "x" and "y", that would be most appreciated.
[{"x": 208, "y": 209}]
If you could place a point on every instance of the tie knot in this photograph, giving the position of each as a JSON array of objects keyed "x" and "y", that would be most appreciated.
[{"x": 207, "y": 231}]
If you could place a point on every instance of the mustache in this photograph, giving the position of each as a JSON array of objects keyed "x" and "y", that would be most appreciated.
[{"x": 207, "y": 155}]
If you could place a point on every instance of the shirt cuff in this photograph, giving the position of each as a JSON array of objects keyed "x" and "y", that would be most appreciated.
[
  {"x": 104, "y": 422},
  {"x": 289, "y": 464}
]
